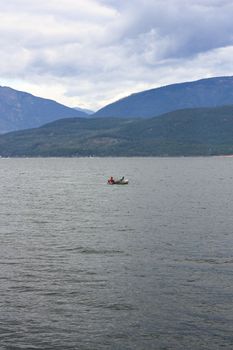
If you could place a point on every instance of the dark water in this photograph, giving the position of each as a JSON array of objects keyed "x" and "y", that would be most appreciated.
[{"x": 84, "y": 265}]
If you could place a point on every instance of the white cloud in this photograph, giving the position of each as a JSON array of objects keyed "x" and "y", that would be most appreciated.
[{"x": 91, "y": 52}]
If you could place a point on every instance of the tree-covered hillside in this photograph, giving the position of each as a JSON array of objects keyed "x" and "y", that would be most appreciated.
[{"x": 205, "y": 131}]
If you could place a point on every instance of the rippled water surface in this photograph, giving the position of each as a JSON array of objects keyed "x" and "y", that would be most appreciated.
[{"x": 85, "y": 265}]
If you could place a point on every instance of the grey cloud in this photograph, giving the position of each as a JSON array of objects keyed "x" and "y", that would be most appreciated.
[
  {"x": 104, "y": 49},
  {"x": 190, "y": 26}
]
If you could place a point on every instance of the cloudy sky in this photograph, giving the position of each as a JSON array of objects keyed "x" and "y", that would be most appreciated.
[{"x": 88, "y": 53}]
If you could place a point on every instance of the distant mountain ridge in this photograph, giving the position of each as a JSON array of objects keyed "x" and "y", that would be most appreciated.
[
  {"x": 85, "y": 110},
  {"x": 21, "y": 110},
  {"x": 187, "y": 132},
  {"x": 209, "y": 92}
]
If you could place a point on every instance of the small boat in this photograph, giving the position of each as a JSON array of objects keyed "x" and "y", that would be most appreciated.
[{"x": 121, "y": 181}]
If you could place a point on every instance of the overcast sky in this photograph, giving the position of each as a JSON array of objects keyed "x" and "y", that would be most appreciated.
[{"x": 88, "y": 53}]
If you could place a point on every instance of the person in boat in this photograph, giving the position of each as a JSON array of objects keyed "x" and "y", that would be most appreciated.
[
  {"x": 122, "y": 179},
  {"x": 111, "y": 180}
]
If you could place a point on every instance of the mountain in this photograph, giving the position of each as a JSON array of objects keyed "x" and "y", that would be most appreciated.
[
  {"x": 64, "y": 137},
  {"x": 87, "y": 111},
  {"x": 20, "y": 110},
  {"x": 188, "y": 132},
  {"x": 210, "y": 92}
]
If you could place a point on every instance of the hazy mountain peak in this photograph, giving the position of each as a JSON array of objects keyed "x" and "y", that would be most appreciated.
[{"x": 85, "y": 110}]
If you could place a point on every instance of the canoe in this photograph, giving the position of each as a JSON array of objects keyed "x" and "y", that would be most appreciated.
[{"x": 118, "y": 182}]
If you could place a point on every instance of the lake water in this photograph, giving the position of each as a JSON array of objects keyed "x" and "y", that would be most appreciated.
[{"x": 85, "y": 265}]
